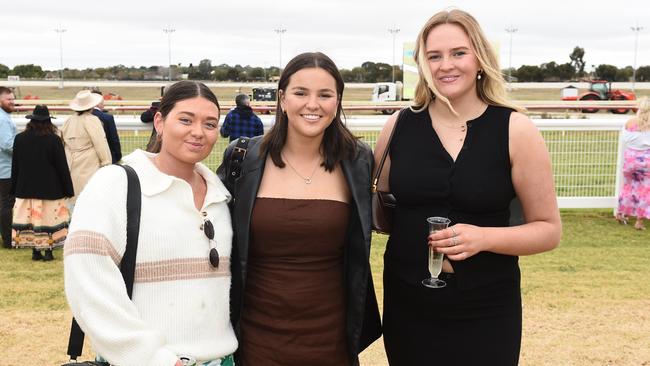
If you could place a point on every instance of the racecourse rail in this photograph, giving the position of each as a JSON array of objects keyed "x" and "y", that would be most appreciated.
[
  {"x": 586, "y": 153},
  {"x": 131, "y": 106}
]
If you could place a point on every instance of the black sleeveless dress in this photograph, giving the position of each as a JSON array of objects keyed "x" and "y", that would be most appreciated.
[{"x": 476, "y": 319}]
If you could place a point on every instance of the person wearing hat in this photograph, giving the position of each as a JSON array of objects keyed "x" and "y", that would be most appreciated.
[
  {"x": 41, "y": 182},
  {"x": 84, "y": 141}
]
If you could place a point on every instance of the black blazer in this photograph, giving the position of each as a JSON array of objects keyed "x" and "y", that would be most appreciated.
[
  {"x": 39, "y": 168},
  {"x": 113, "y": 139},
  {"x": 363, "y": 324}
]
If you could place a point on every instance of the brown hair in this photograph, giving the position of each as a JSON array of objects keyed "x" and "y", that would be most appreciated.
[
  {"x": 338, "y": 142},
  {"x": 490, "y": 88},
  {"x": 179, "y": 91}
]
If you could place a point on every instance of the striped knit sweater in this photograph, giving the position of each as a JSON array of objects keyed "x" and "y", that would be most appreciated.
[{"x": 180, "y": 303}]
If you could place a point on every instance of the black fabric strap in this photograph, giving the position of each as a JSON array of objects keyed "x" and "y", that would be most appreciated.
[
  {"x": 236, "y": 159},
  {"x": 127, "y": 265}
]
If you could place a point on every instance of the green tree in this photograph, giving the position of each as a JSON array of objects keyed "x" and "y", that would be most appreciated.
[
  {"x": 359, "y": 74},
  {"x": 643, "y": 73},
  {"x": 4, "y": 71},
  {"x": 624, "y": 74},
  {"x": 257, "y": 73},
  {"x": 606, "y": 72},
  {"x": 577, "y": 60},
  {"x": 205, "y": 69},
  {"x": 566, "y": 71},
  {"x": 549, "y": 71},
  {"x": 529, "y": 73},
  {"x": 28, "y": 71}
]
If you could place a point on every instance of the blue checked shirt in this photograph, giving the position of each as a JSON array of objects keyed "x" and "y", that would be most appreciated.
[{"x": 241, "y": 121}]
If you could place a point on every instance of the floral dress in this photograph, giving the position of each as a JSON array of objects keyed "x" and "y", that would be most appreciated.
[{"x": 634, "y": 198}]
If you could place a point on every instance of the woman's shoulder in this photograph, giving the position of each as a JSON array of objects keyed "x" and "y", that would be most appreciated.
[{"x": 632, "y": 125}]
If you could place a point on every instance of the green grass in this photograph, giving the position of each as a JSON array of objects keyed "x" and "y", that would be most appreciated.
[{"x": 585, "y": 303}]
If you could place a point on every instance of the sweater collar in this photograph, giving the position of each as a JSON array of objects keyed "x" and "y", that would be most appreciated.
[{"x": 153, "y": 181}]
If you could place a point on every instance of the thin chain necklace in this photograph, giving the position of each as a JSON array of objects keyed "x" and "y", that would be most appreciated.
[{"x": 307, "y": 180}]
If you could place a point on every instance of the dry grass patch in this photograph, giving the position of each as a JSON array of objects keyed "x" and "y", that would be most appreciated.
[{"x": 585, "y": 303}]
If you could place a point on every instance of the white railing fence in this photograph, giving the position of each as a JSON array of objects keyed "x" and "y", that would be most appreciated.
[{"x": 586, "y": 153}]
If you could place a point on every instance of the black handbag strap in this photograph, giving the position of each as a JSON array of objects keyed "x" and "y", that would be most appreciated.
[
  {"x": 375, "y": 180},
  {"x": 127, "y": 265},
  {"x": 236, "y": 159}
]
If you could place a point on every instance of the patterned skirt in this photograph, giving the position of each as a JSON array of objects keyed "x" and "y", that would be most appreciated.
[
  {"x": 634, "y": 199},
  {"x": 40, "y": 224}
]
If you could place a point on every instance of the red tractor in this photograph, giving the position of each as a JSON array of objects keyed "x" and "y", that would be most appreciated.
[{"x": 602, "y": 90}]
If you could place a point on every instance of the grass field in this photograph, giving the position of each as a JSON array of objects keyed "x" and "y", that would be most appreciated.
[{"x": 585, "y": 303}]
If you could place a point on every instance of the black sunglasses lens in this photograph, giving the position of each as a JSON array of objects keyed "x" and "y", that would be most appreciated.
[
  {"x": 208, "y": 229},
  {"x": 214, "y": 258}
]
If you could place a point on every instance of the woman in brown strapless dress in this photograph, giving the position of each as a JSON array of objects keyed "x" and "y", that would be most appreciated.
[{"x": 302, "y": 290}]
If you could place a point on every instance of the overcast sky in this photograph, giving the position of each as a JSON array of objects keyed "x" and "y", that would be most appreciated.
[{"x": 111, "y": 32}]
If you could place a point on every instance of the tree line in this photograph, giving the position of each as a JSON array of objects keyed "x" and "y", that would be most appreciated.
[
  {"x": 575, "y": 70},
  {"x": 368, "y": 72}
]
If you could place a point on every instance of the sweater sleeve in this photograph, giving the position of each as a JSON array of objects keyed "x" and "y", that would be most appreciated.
[{"x": 94, "y": 286}]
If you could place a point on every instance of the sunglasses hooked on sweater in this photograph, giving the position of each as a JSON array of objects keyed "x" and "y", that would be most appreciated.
[{"x": 208, "y": 230}]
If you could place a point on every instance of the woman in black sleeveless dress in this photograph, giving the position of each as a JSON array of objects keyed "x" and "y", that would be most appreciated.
[{"x": 463, "y": 152}]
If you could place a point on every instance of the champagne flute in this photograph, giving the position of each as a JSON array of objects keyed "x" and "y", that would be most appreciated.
[{"x": 435, "y": 259}]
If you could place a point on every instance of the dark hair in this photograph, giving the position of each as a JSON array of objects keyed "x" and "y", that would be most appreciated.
[
  {"x": 42, "y": 127},
  {"x": 338, "y": 142},
  {"x": 179, "y": 91},
  {"x": 5, "y": 90},
  {"x": 241, "y": 99}
]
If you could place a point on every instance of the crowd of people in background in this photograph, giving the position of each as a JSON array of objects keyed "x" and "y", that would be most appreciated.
[{"x": 267, "y": 260}]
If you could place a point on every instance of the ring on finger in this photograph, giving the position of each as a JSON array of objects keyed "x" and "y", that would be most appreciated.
[
  {"x": 454, "y": 231},
  {"x": 454, "y": 241}
]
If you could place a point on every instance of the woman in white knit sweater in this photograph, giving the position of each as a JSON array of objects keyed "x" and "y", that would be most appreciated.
[{"x": 180, "y": 305}]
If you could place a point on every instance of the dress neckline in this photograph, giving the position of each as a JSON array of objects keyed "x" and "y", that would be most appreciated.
[
  {"x": 303, "y": 199},
  {"x": 469, "y": 124}
]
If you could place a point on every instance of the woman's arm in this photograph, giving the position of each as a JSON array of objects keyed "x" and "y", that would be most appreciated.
[
  {"x": 532, "y": 178},
  {"x": 94, "y": 285},
  {"x": 380, "y": 146}
]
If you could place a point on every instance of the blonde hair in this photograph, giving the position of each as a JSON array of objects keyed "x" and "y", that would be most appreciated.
[
  {"x": 643, "y": 115},
  {"x": 490, "y": 88}
]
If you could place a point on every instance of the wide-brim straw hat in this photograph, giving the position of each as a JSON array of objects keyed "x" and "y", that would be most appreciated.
[{"x": 85, "y": 100}]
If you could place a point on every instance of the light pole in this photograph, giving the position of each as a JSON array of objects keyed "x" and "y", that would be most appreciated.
[
  {"x": 394, "y": 32},
  {"x": 60, "y": 31},
  {"x": 280, "y": 31},
  {"x": 511, "y": 30},
  {"x": 169, "y": 30},
  {"x": 636, "y": 29}
]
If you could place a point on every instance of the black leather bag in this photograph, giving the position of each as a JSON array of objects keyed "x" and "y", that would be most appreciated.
[{"x": 383, "y": 203}]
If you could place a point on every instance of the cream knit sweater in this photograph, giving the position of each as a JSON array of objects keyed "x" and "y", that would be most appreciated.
[{"x": 180, "y": 303}]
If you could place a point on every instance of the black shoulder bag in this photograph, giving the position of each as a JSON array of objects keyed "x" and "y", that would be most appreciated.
[
  {"x": 383, "y": 203},
  {"x": 236, "y": 160},
  {"x": 127, "y": 265}
]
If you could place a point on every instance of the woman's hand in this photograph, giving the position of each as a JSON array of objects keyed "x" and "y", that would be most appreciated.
[{"x": 458, "y": 242}]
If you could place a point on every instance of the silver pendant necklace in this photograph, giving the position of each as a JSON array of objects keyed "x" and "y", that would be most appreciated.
[{"x": 308, "y": 179}]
